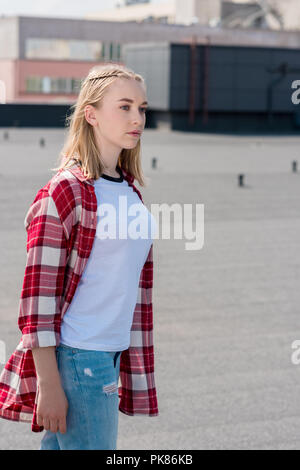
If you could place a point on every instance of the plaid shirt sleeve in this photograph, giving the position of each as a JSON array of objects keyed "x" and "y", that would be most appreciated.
[{"x": 39, "y": 308}]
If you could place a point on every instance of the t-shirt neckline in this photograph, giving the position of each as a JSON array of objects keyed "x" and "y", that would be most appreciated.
[{"x": 112, "y": 178}]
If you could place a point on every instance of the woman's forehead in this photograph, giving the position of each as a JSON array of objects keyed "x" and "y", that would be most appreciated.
[{"x": 127, "y": 88}]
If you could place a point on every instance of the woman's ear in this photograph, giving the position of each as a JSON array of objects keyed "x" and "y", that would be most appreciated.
[{"x": 90, "y": 116}]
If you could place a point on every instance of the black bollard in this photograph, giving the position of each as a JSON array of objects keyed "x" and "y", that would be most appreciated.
[
  {"x": 294, "y": 163},
  {"x": 154, "y": 162},
  {"x": 42, "y": 142},
  {"x": 241, "y": 180}
]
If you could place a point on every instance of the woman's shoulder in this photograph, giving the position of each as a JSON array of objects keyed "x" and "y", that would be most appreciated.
[
  {"x": 63, "y": 179},
  {"x": 61, "y": 197},
  {"x": 64, "y": 188}
]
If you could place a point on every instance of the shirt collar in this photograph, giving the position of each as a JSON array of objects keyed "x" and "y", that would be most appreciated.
[{"x": 77, "y": 171}]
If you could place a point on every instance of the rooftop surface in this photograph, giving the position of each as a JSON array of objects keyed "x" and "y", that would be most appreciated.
[{"x": 225, "y": 316}]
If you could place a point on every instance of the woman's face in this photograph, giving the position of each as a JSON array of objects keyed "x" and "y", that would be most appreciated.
[{"x": 116, "y": 117}]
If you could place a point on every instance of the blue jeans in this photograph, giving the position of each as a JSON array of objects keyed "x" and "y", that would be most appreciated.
[{"x": 90, "y": 382}]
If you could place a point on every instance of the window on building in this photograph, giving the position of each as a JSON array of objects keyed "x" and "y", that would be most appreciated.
[
  {"x": 110, "y": 51},
  {"x": 46, "y": 87},
  {"x": 34, "y": 84},
  {"x": 54, "y": 85},
  {"x": 163, "y": 19},
  {"x": 75, "y": 85},
  {"x": 62, "y": 49}
]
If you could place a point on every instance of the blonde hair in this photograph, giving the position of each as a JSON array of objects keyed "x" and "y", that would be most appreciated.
[{"x": 80, "y": 143}]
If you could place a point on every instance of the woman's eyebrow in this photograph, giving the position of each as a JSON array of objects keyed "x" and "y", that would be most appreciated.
[{"x": 131, "y": 101}]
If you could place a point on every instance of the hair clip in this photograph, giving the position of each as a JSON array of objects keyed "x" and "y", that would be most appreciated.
[{"x": 105, "y": 76}]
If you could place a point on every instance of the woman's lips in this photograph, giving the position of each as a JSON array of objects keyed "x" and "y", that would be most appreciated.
[{"x": 134, "y": 134}]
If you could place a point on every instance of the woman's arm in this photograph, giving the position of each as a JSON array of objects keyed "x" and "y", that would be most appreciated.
[
  {"x": 40, "y": 306},
  {"x": 52, "y": 404}
]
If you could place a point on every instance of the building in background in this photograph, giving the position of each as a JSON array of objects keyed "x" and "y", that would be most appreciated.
[
  {"x": 197, "y": 76},
  {"x": 212, "y": 88},
  {"x": 139, "y": 11},
  {"x": 272, "y": 14},
  {"x": 186, "y": 12},
  {"x": 201, "y": 12},
  {"x": 43, "y": 60}
]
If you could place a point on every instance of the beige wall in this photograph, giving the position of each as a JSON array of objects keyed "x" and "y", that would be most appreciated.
[
  {"x": 290, "y": 10},
  {"x": 138, "y": 12},
  {"x": 9, "y": 38},
  {"x": 207, "y": 10},
  {"x": 7, "y": 76}
]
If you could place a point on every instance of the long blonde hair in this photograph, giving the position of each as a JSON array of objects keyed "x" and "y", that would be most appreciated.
[{"x": 80, "y": 143}]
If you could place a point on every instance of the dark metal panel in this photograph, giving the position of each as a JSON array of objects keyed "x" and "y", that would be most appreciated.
[
  {"x": 33, "y": 115},
  {"x": 253, "y": 55},
  {"x": 222, "y": 55},
  {"x": 282, "y": 102},
  {"x": 291, "y": 56},
  {"x": 250, "y": 100},
  {"x": 239, "y": 79},
  {"x": 180, "y": 97},
  {"x": 252, "y": 76},
  {"x": 221, "y": 99},
  {"x": 221, "y": 76}
]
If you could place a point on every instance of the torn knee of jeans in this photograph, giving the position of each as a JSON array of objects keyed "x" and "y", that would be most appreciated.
[
  {"x": 88, "y": 371},
  {"x": 111, "y": 388}
]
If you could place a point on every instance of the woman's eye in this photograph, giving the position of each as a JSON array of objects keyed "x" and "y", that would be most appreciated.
[{"x": 127, "y": 106}]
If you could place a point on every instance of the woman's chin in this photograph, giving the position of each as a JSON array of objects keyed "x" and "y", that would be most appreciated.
[{"x": 129, "y": 145}]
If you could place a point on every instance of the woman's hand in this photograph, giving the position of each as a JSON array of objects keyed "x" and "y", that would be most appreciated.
[
  {"x": 52, "y": 404},
  {"x": 52, "y": 407}
]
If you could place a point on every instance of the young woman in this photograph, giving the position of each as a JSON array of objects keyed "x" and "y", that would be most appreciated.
[{"x": 85, "y": 311}]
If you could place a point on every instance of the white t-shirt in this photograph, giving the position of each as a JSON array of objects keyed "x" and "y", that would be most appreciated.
[{"x": 101, "y": 312}]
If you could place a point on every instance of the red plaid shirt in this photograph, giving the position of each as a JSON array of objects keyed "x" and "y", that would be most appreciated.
[{"x": 61, "y": 225}]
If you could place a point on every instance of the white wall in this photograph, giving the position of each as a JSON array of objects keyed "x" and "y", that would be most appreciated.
[
  {"x": 203, "y": 10},
  {"x": 9, "y": 38}
]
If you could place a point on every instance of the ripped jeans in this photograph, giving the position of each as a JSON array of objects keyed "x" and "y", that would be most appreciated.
[{"x": 90, "y": 382}]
